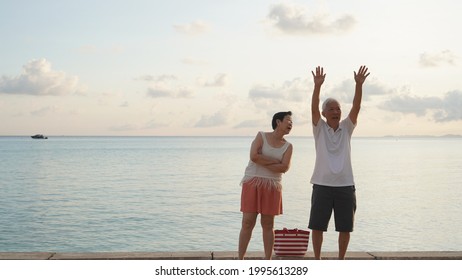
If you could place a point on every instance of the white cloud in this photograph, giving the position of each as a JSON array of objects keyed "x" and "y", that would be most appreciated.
[
  {"x": 437, "y": 59},
  {"x": 161, "y": 89},
  {"x": 294, "y": 90},
  {"x": 451, "y": 107},
  {"x": 293, "y": 19},
  {"x": 159, "y": 78},
  {"x": 251, "y": 124},
  {"x": 291, "y": 95},
  {"x": 411, "y": 104},
  {"x": 345, "y": 90},
  {"x": 217, "y": 119},
  {"x": 38, "y": 78},
  {"x": 444, "y": 109},
  {"x": 264, "y": 92},
  {"x": 184, "y": 92},
  {"x": 194, "y": 28},
  {"x": 220, "y": 80}
]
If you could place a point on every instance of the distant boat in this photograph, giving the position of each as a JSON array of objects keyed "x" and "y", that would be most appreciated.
[{"x": 39, "y": 136}]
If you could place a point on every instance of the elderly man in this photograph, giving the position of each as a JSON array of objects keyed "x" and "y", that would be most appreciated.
[{"x": 333, "y": 182}]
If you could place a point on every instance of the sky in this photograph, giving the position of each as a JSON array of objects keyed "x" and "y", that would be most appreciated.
[{"x": 223, "y": 68}]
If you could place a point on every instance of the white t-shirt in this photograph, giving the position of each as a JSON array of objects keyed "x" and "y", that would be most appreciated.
[{"x": 333, "y": 154}]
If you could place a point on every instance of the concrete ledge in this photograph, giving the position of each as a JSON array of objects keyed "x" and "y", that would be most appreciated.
[
  {"x": 226, "y": 255},
  {"x": 414, "y": 255},
  {"x": 25, "y": 256},
  {"x": 231, "y": 255},
  {"x": 134, "y": 256}
]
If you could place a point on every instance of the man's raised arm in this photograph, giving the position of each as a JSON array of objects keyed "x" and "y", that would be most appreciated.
[
  {"x": 318, "y": 79},
  {"x": 359, "y": 79}
]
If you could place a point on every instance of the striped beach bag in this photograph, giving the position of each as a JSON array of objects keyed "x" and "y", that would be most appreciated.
[{"x": 291, "y": 242}]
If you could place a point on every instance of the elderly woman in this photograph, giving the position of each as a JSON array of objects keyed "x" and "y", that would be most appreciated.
[{"x": 270, "y": 156}]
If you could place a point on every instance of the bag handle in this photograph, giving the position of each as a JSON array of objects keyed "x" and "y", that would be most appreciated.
[
  {"x": 295, "y": 230},
  {"x": 287, "y": 230}
]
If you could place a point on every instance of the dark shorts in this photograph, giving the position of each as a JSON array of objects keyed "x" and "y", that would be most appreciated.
[{"x": 340, "y": 199}]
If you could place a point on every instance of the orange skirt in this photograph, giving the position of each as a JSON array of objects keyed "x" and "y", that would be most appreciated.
[{"x": 260, "y": 196}]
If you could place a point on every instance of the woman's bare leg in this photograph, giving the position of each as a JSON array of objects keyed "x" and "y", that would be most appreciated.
[
  {"x": 248, "y": 223},
  {"x": 267, "y": 224}
]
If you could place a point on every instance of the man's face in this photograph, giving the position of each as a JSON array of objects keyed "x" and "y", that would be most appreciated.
[{"x": 332, "y": 113}]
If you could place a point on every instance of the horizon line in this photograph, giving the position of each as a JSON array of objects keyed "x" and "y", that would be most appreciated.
[{"x": 292, "y": 136}]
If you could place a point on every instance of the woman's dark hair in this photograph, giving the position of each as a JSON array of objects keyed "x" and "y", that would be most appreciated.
[{"x": 279, "y": 116}]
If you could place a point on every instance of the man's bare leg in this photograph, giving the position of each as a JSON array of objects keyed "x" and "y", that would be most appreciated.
[
  {"x": 317, "y": 238},
  {"x": 343, "y": 241}
]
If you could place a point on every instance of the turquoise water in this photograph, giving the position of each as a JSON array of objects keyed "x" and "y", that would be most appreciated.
[{"x": 75, "y": 194}]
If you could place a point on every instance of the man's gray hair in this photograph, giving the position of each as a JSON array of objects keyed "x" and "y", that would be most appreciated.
[{"x": 327, "y": 101}]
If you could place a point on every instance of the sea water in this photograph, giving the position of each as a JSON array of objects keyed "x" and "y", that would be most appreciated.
[{"x": 155, "y": 194}]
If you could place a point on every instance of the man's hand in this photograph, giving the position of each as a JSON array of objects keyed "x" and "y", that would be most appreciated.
[
  {"x": 362, "y": 75},
  {"x": 319, "y": 76}
]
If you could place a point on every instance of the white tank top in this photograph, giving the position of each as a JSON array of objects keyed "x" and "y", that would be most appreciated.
[{"x": 254, "y": 171}]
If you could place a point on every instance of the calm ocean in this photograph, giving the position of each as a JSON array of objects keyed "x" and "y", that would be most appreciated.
[{"x": 90, "y": 194}]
